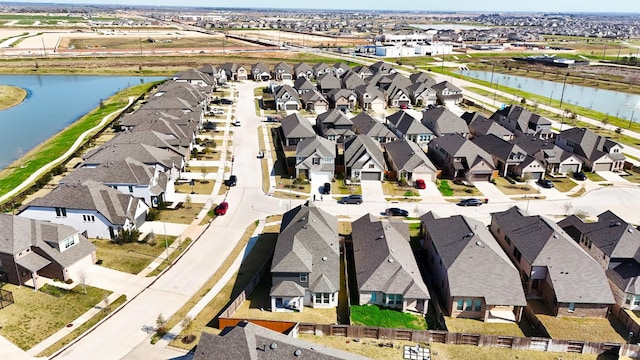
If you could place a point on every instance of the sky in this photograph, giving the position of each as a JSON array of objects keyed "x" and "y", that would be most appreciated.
[{"x": 626, "y": 6}]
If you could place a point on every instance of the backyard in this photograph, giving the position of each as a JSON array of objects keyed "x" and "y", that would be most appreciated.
[{"x": 372, "y": 315}]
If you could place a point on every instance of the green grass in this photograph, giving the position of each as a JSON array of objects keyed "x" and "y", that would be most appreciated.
[
  {"x": 53, "y": 148},
  {"x": 445, "y": 188},
  {"x": 85, "y": 326},
  {"x": 36, "y": 315},
  {"x": 131, "y": 257},
  {"x": 372, "y": 315},
  {"x": 174, "y": 255},
  {"x": 594, "y": 176}
]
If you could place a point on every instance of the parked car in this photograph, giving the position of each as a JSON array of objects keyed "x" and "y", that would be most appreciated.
[
  {"x": 231, "y": 181},
  {"x": 580, "y": 176},
  {"x": 396, "y": 212},
  {"x": 217, "y": 111},
  {"x": 547, "y": 184},
  {"x": 236, "y": 123},
  {"x": 221, "y": 209},
  {"x": 470, "y": 202},
  {"x": 274, "y": 118},
  {"x": 326, "y": 189},
  {"x": 226, "y": 101},
  {"x": 352, "y": 199},
  {"x": 420, "y": 184}
]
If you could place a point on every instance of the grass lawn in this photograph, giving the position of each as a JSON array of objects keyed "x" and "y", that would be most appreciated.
[
  {"x": 563, "y": 184},
  {"x": 181, "y": 247},
  {"x": 372, "y": 315},
  {"x": 131, "y": 257},
  {"x": 183, "y": 215},
  {"x": 594, "y": 176},
  {"x": 578, "y": 193},
  {"x": 394, "y": 189},
  {"x": 85, "y": 326},
  {"x": 633, "y": 176},
  {"x": 514, "y": 189},
  {"x": 474, "y": 326},
  {"x": 205, "y": 319},
  {"x": 344, "y": 227},
  {"x": 36, "y": 315},
  {"x": 341, "y": 188},
  {"x": 203, "y": 187},
  {"x": 448, "y": 188}
]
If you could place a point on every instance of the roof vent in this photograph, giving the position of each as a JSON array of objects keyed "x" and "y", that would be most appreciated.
[
  {"x": 273, "y": 346},
  {"x": 297, "y": 353},
  {"x": 555, "y": 236},
  {"x": 390, "y": 260},
  {"x": 478, "y": 243},
  {"x": 324, "y": 258},
  {"x": 630, "y": 230}
]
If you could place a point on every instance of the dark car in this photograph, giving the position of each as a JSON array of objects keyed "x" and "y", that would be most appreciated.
[
  {"x": 579, "y": 176},
  {"x": 231, "y": 181},
  {"x": 352, "y": 199},
  {"x": 420, "y": 184},
  {"x": 396, "y": 212},
  {"x": 547, "y": 184},
  {"x": 221, "y": 209},
  {"x": 326, "y": 189},
  {"x": 226, "y": 102},
  {"x": 470, "y": 202}
]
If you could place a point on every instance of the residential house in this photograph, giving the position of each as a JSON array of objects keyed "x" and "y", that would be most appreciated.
[
  {"x": 448, "y": 93},
  {"x": 407, "y": 127},
  {"x": 313, "y": 101},
  {"x": 363, "y": 71},
  {"x": 249, "y": 341},
  {"x": 386, "y": 270},
  {"x": 351, "y": 80},
  {"x": 184, "y": 138},
  {"x": 303, "y": 85},
  {"x": 316, "y": 158},
  {"x": 234, "y": 72},
  {"x": 480, "y": 126},
  {"x": 363, "y": 159},
  {"x": 339, "y": 69},
  {"x": 286, "y": 98},
  {"x": 510, "y": 159},
  {"x": 422, "y": 77},
  {"x": 342, "y": 99},
  {"x": 554, "y": 158},
  {"x": 371, "y": 98},
  {"x": 294, "y": 128},
  {"x": 422, "y": 94},
  {"x": 320, "y": 69},
  {"x": 214, "y": 73},
  {"x": 33, "y": 248},
  {"x": 521, "y": 122},
  {"x": 282, "y": 71},
  {"x": 334, "y": 125},
  {"x": 395, "y": 89},
  {"x": 407, "y": 161},
  {"x": 382, "y": 68},
  {"x": 364, "y": 124},
  {"x": 441, "y": 121},
  {"x": 97, "y": 210},
  {"x": 615, "y": 245},
  {"x": 598, "y": 153},
  {"x": 328, "y": 82},
  {"x": 460, "y": 158},
  {"x": 552, "y": 266},
  {"x": 305, "y": 270},
  {"x": 303, "y": 70},
  {"x": 167, "y": 142},
  {"x": 474, "y": 277},
  {"x": 260, "y": 72},
  {"x": 195, "y": 77}
]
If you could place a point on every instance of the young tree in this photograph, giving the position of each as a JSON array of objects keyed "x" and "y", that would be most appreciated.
[{"x": 161, "y": 322}]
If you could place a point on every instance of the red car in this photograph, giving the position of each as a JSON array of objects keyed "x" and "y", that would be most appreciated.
[
  {"x": 221, "y": 209},
  {"x": 420, "y": 184}
]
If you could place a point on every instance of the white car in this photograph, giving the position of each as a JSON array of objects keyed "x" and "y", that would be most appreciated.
[{"x": 217, "y": 111}]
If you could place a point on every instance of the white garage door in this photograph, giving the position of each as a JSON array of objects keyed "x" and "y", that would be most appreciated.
[
  {"x": 567, "y": 169},
  {"x": 377, "y": 175}
]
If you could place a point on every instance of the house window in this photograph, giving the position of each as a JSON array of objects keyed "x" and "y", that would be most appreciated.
[
  {"x": 372, "y": 166},
  {"x": 68, "y": 242},
  {"x": 322, "y": 298},
  {"x": 477, "y": 305},
  {"x": 517, "y": 254},
  {"x": 506, "y": 238},
  {"x": 315, "y": 161},
  {"x": 130, "y": 188},
  {"x": 468, "y": 305},
  {"x": 61, "y": 212},
  {"x": 88, "y": 218},
  {"x": 460, "y": 305},
  {"x": 636, "y": 301},
  {"x": 629, "y": 299},
  {"x": 572, "y": 307},
  {"x": 304, "y": 277},
  {"x": 393, "y": 299}
]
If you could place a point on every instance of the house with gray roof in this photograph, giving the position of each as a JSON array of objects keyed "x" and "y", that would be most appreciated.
[
  {"x": 302, "y": 69},
  {"x": 195, "y": 77},
  {"x": 421, "y": 94},
  {"x": 441, "y": 121},
  {"x": 321, "y": 69},
  {"x": 365, "y": 124},
  {"x": 480, "y": 125},
  {"x": 474, "y": 276},
  {"x": 371, "y": 98},
  {"x": 303, "y": 85},
  {"x": 342, "y": 99},
  {"x": 448, "y": 93},
  {"x": 521, "y": 122},
  {"x": 249, "y": 341},
  {"x": 190, "y": 122},
  {"x": 340, "y": 68},
  {"x": 166, "y": 142},
  {"x": 313, "y": 101},
  {"x": 407, "y": 161},
  {"x": 597, "y": 153},
  {"x": 260, "y": 72},
  {"x": 553, "y": 267},
  {"x": 334, "y": 125},
  {"x": 382, "y": 68},
  {"x": 185, "y": 139},
  {"x": 32, "y": 248},
  {"x": 350, "y": 80},
  {"x": 555, "y": 159},
  {"x": 386, "y": 270},
  {"x": 234, "y": 72},
  {"x": 213, "y": 72},
  {"x": 282, "y": 71},
  {"x": 97, "y": 210},
  {"x": 328, "y": 82},
  {"x": 407, "y": 127},
  {"x": 194, "y": 95},
  {"x": 286, "y": 98},
  {"x": 305, "y": 270},
  {"x": 510, "y": 159},
  {"x": 294, "y": 128},
  {"x": 460, "y": 158},
  {"x": 316, "y": 158},
  {"x": 615, "y": 245},
  {"x": 363, "y": 71},
  {"x": 363, "y": 159}
]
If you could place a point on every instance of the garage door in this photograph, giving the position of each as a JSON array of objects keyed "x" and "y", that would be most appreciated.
[
  {"x": 291, "y": 107},
  {"x": 567, "y": 169},
  {"x": 320, "y": 109},
  {"x": 371, "y": 175},
  {"x": 535, "y": 175},
  {"x": 602, "y": 167},
  {"x": 480, "y": 177}
]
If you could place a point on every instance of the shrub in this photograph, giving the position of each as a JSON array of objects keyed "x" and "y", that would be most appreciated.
[
  {"x": 127, "y": 236},
  {"x": 153, "y": 214}
]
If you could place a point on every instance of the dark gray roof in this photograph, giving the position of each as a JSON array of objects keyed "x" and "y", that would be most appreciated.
[
  {"x": 309, "y": 146},
  {"x": 152, "y": 138},
  {"x": 302, "y": 67},
  {"x": 248, "y": 341},
  {"x": 295, "y": 126},
  {"x": 446, "y": 85},
  {"x": 407, "y": 155},
  {"x": 574, "y": 275},
  {"x": 625, "y": 276},
  {"x": 118, "y": 172},
  {"x": 146, "y": 154},
  {"x": 364, "y": 124},
  {"x": 373, "y": 91},
  {"x": 587, "y": 143},
  {"x": 313, "y": 96},
  {"x": 328, "y": 81},
  {"x": 480, "y": 125},
  {"x": 407, "y": 124},
  {"x": 302, "y": 83},
  {"x": 308, "y": 242},
  {"x": 361, "y": 149},
  {"x": 500, "y": 148},
  {"x": 476, "y": 264},
  {"x": 459, "y": 147},
  {"x": 384, "y": 260},
  {"x": 281, "y": 90},
  {"x": 351, "y": 80},
  {"x": 441, "y": 120},
  {"x": 194, "y": 75}
]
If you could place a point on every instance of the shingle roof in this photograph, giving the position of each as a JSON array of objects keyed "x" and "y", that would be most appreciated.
[
  {"x": 146, "y": 154},
  {"x": 407, "y": 155},
  {"x": 360, "y": 149},
  {"x": 384, "y": 260},
  {"x": 295, "y": 126},
  {"x": 588, "y": 144},
  {"x": 575, "y": 276},
  {"x": 457, "y": 146},
  {"x": 407, "y": 124},
  {"x": 309, "y": 146},
  {"x": 625, "y": 276},
  {"x": 442, "y": 121},
  {"x": 120, "y": 172},
  {"x": 364, "y": 124},
  {"x": 480, "y": 125},
  {"x": 476, "y": 264}
]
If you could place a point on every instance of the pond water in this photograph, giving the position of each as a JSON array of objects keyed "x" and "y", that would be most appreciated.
[
  {"x": 53, "y": 102},
  {"x": 614, "y": 103}
]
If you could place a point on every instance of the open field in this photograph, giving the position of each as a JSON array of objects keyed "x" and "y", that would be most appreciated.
[{"x": 159, "y": 41}]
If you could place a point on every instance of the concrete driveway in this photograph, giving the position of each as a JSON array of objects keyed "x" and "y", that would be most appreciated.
[
  {"x": 372, "y": 191},
  {"x": 491, "y": 192},
  {"x": 613, "y": 177}
]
